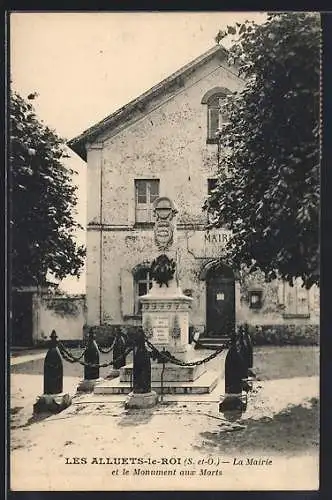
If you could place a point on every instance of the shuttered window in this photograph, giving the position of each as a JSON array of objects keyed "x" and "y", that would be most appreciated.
[
  {"x": 215, "y": 118},
  {"x": 296, "y": 300},
  {"x": 146, "y": 192}
]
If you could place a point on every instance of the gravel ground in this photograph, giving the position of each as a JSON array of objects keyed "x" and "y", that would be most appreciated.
[{"x": 281, "y": 424}]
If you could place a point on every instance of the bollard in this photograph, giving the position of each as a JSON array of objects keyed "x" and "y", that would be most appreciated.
[
  {"x": 247, "y": 352},
  {"x": 119, "y": 354},
  {"x": 53, "y": 368},
  {"x": 141, "y": 367},
  {"x": 53, "y": 399},
  {"x": 243, "y": 347},
  {"x": 248, "y": 341},
  {"x": 142, "y": 396},
  {"x": 235, "y": 372},
  {"x": 91, "y": 373},
  {"x": 91, "y": 356},
  {"x": 235, "y": 367}
]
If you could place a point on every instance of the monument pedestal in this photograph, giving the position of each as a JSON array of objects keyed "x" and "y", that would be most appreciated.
[
  {"x": 204, "y": 384},
  {"x": 165, "y": 319},
  {"x": 171, "y": 373}
]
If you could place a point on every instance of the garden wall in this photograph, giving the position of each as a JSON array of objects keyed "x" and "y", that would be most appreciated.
[{"x": 64, "y": 314}]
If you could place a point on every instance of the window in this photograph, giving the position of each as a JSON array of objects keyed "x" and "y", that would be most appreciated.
[
  {"x": 255, "y": 299},
  {"x": 146, "y": 192},
  {"x": 213, "y": 99},
  {"x": 215, "y": 118},
  {"x": 143, "y": 283},
  {"x": 296, "y": 300}
]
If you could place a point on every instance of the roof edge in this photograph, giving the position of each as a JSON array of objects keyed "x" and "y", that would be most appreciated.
[{"x": 77, "y": 144}]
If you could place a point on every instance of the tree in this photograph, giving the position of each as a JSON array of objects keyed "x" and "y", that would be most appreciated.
[
  {"x": 268, "y": 174},
  {"x": 42, "y": 201}
]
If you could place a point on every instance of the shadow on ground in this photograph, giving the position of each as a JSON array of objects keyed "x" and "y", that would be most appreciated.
[
  {"x": 293, "y": 429},
  {"x": 35, "y": 418},
  {"x": 135, "y": 418}
]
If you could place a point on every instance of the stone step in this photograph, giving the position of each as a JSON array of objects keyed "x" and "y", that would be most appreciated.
[
  {"x": 211, "y": 342},
  {"x": 172, "y": 373},
  {"x": 202, "y": 385}
]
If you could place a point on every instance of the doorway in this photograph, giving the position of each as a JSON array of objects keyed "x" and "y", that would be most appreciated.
[
  {"x": 220, "y": 302},
  {"x": 21, "y": 319}
]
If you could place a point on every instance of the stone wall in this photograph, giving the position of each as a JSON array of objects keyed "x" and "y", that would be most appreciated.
[{"x": 64, "y": 314}]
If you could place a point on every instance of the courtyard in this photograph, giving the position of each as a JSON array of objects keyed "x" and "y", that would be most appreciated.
[{"x": 183, "y": 442}]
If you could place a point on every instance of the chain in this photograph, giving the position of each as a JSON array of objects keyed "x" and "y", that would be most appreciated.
[
  {"x": 107, "y": 351},
  {"x": 175, "y": 361},
  {"x": 67, "y": 356},
  {"x": 64, "y": 349}
]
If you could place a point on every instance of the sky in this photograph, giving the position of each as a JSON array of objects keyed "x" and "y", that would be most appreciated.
[{"x": 84, "y": 66}]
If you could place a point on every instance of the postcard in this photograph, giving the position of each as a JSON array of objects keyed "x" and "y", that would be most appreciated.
[{"x": 164, "y": 301}]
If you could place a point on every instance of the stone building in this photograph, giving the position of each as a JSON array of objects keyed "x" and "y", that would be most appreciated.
[{"x": 163, "y": 143}]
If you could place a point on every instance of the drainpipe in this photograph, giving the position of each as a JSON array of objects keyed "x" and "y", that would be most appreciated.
[{"x": 101, "y": 242}]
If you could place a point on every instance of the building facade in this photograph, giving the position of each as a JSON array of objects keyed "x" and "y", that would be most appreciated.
[{"x": 164, "y": 144}]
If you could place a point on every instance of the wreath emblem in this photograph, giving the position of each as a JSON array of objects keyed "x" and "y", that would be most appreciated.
[{"x": 163, "y": 269}]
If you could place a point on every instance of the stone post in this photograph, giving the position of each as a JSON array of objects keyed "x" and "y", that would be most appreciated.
[
  {"x": 53, "y": 399},
  {"x": 142, "y": 396},
  {"x": 247, "y": 354},
  {"x": 235, "y": 372},
  {"x": 249, "y": 343},
  {"x": 119, "y": 357},
  {"x": 91, "y": 373}
]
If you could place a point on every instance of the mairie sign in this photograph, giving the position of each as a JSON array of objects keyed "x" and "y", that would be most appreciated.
[{"x": 217, "y": 237}]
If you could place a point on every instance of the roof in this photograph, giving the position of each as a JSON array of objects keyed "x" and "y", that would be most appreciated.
[{"x": 78, "y": 143}]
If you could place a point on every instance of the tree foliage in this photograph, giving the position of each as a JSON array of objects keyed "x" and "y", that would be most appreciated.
[
  {"x": 42, "y": 200},
  {"x": 268, "y": 176}
]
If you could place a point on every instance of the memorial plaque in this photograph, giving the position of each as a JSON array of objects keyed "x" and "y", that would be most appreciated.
[{"x": 161, "y": 330}]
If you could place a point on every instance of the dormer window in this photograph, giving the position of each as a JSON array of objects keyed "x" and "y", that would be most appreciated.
[{"x": 213, "y": 99}]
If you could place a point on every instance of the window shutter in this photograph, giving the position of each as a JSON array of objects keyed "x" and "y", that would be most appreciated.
[
  {"x": 127, "y": 293},
  {"x": 290, "y": 299},
  {"x": 213, "y": 122},
  {"x": 281, "y": 293},
  {"x": 302, "y": 300}
]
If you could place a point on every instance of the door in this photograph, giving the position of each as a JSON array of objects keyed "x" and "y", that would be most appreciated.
[
  {"x": 220, "y": 306},
  {"x": 21, "y": 327}
]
